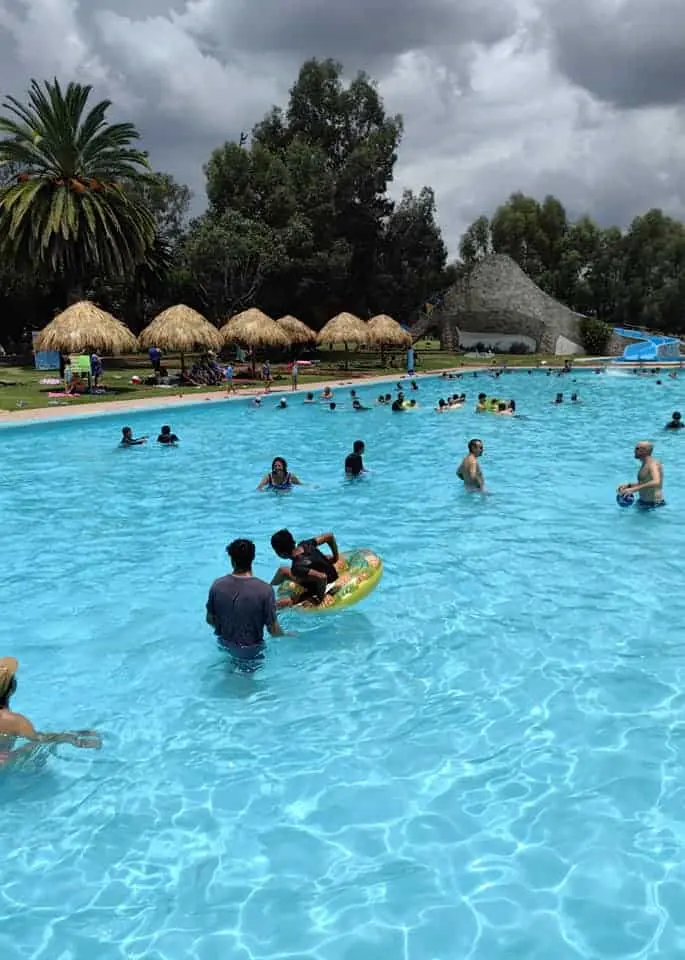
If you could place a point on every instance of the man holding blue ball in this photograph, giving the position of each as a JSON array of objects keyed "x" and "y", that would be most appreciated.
[{"x": 650, "y": 480}]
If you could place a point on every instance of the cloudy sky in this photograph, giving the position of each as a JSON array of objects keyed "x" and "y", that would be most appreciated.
[{"x": 582, "y": 99}]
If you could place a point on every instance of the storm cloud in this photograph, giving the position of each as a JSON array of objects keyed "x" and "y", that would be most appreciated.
[
  {"x": 629, "y": 53},
  {"x": 579, "y": 100}
]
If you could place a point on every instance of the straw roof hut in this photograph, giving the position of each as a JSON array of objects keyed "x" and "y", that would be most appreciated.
[
  {"x": 387, "y": 332},
  {"x": 495, "y": 296},
  {"x": 83, "y": 326},
  {"x": 254, "y": 329},
  {"x": 346, "y": 329},
  {"x": 297, "y": 331},
  {"x": 180, "y": 328}
]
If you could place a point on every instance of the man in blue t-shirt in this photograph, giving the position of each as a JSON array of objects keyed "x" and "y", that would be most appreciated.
[
  {"x": 241, "y": 605},
  {"x": 155, "y": 355}
]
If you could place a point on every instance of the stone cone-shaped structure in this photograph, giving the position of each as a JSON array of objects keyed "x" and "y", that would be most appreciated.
[{"x": 496, "y": 296}]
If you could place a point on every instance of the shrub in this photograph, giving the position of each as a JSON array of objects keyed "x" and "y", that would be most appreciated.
[
  {"x": 518, "y": 347},
  {"x": 595, "y": 335}
]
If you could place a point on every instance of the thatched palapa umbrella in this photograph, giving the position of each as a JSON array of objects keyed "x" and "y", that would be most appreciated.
[
  {"x": 297, "y": 331},
  {"x": 83, "y": 326},
  {"x": 346, "y": 329},
  {"x": 387, "y": 332},
  {"x": 254, "y": 329},
  {"x": 180, "y": 328}
]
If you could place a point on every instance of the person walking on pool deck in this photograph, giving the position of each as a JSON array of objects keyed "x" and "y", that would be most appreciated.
[
  {"x": 240, "y": 606},
  {"x": 469, "y": 469},
  {"x": 650, "y": 478},
  {"x": 15, "y": 726},
  {"x": 311, "y": 568}
]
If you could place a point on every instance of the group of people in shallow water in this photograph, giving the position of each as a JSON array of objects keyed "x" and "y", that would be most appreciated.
[
  {"x": 325, "y": 399},
  {"x": 240, "y": 606},
  {"x": 165, "y": 437}
]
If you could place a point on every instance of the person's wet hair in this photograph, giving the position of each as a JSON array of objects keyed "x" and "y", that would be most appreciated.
[
  {"x": 482, "y": 397},
  {"x": 126, "y": 431},
  {"x": 166, "y": 429},
  {"x": 279, "y": 460},
  {"x": 332, "y": 406},
  {"x": 473, "y": 444},
  {"x": 677, "y": 415},
  {"x": 242, "y": 554},
  {"x": 283, "y": 543},
  {"x": 358, "y": 446},
  {"x": 501, "y": 406},
  {"x": 441, "y": 402},
  {"x": 310, "y": 396}
]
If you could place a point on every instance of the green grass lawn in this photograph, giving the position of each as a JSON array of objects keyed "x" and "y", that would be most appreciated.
[{"x": 20, "y": 387}]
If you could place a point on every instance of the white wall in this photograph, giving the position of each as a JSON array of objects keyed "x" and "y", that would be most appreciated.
[{"x": 502, "y": 341}]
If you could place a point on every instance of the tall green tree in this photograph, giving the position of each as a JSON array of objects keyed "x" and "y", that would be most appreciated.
[
  {"x": 413, "y": 257},
  {"x": 66, "y": 214}
]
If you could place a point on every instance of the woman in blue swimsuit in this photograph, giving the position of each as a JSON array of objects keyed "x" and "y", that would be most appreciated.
[{"x": 279, "y": 478}]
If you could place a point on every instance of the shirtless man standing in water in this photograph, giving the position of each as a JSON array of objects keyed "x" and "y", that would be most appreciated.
[
  {"x": 469, "y": 469},
  {"x": 650, "y": 478}
]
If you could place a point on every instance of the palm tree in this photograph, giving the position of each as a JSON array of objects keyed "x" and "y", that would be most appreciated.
[{"x": 65, "y": 212}]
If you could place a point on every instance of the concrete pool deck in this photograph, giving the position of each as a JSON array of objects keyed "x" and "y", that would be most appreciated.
[
  {"x": 63, "y": 411},
  {"x": 165, "y": 401}
]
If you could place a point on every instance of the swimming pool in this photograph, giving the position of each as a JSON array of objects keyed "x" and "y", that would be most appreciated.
[{"x": 485, "y": 759}]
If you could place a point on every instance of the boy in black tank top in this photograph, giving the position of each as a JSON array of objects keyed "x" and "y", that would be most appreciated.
[{"x": 309, "y": 567}]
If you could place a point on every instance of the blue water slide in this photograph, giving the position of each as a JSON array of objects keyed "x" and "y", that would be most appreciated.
[{"x": 648, "y": 348}]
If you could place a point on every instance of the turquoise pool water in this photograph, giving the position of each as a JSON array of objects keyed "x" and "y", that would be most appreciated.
[{"x": 485, "y": 759}]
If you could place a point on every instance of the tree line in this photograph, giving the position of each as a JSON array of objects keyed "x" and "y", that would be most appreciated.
[
  {"x": 298, "y": 217},
  {"x": 633, "y": 277},
  {"x": 298, "y": 220}
]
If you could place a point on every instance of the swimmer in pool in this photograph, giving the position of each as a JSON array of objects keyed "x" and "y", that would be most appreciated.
[
  {"x": 279, "y": 477},
  {"x": 327, "y": 394},
  {"x": 469, "y": 470},
  {"x": 309, "y": 567},
  {"x": 482, "y": 405},
  {"x": 354, "y": 462},
  {"x": 557, "y": 400},
  {"x": 676, "y": 421},
  {"x": 358, "y": 405},
  {"x": 167, "y": 437},
  {"x": 282, "y": 404},
  {"x": 15, "y": 726},
  {"x": 309, "y": 398},
  {"x": 128, "y": 440},
  {"x": 650, "y": 478}
]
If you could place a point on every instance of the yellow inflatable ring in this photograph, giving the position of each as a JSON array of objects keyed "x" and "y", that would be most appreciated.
[
  {"x": 407, "y": 405},
  {"x": 359, "y": 573}
]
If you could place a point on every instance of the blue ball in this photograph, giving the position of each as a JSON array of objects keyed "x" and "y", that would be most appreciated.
[{"x": 625, "y": 499}]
